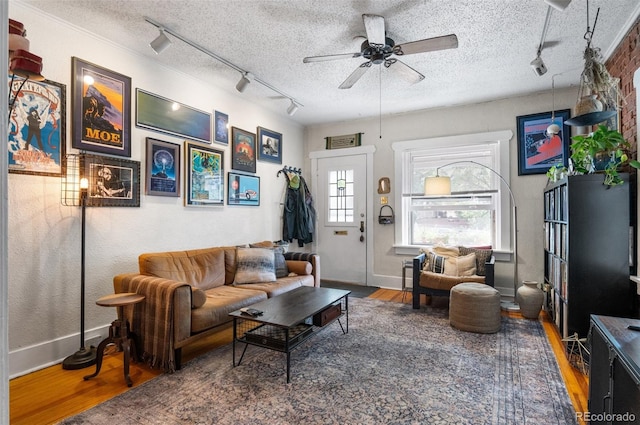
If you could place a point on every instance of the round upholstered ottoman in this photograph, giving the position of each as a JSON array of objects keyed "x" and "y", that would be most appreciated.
[{"x": 475, "y": 307}]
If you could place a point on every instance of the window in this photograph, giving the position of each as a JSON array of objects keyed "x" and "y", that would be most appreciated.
[
  {"x": 341, "y": 196},
  {"x": 473, "y": 214}
]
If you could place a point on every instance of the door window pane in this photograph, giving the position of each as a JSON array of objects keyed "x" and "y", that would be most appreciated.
[{"x": 341, "y": 196}]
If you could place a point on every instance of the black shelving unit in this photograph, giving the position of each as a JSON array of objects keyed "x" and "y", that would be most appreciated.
[{"x": 586, "y": 230}]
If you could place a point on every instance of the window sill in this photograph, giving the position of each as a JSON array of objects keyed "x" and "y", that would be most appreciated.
[{"x": 413, "y": 250}]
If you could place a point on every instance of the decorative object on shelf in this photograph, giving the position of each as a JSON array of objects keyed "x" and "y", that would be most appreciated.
[
  {"x": 162, "y": 168},
  {"x": 270, "y": 145},
  {"x": 34, "y": 147},
  {"x": 243, "y": 189},
  {"x": 597, "y": 87},
  {"x": 530, "y": 298},
  {"x": 346, "y": 141},
  {"x": 168, "y": 116},
  {"x": 204, "y": 175},
  {"x": 100, "y": 109},
  {"x": 243, "y": 150},
  {"x": 74, "y": 192},
  {"x": 441, "y": 186},
  {"x": 221, "y": 123},
  {"x": 604, "y": 151},
  {"x": 537, "y": 149}
]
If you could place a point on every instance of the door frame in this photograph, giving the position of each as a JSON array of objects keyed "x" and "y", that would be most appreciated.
[{"x": 368, "y": 152}]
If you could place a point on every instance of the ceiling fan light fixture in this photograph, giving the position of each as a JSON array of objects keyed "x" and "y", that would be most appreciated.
[
  {"x": 160, "y": 43},
  {"x": 292, "y": 109},
  {"x": 243, "y": 83}
]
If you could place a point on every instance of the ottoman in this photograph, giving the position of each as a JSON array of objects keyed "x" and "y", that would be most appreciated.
[{"x": 475, "y": 307}]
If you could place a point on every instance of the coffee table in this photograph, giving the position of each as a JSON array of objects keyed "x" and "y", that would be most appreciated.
[{"x": 287, "y": 319}]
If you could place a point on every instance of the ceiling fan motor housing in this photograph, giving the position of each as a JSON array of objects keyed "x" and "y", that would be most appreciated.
[{"x": 377, "y": 53}]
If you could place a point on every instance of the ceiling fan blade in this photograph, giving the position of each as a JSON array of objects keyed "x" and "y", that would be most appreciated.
[
  {"x": 374, "y": 25},
  {"x": 401, "y": 68},
  {"x": 309, "y": 59},
  {"x": 355, "y": 76},
  {"x": 428, "y": 45}
]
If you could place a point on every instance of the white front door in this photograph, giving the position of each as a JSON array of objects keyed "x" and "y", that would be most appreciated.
[{"x": 342, "y": 218}]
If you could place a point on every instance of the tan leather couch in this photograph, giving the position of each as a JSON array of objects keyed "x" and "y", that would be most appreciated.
[{"x": 175, "y": 284}]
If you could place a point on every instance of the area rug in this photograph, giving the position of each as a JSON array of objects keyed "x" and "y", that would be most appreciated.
[{"x": 396, "y": 365}]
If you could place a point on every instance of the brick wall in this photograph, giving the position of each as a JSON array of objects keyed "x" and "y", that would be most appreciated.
[{"x": 623, "y": 64}]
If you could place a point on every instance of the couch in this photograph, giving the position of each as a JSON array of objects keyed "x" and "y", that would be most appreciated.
[
  {"x": 437, "y": 270},
  {"x": 188, "y": 294}
]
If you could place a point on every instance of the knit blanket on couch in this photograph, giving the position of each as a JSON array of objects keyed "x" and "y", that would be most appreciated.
[{"x": 152, "y": 320}]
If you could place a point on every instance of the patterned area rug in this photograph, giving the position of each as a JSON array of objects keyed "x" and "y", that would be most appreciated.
[{"x": 395, "y": 366}]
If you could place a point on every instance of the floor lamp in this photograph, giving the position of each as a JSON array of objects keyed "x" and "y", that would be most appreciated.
[
  {"x": 439, "y": 185},
  {"x": 75, "y": 186}
]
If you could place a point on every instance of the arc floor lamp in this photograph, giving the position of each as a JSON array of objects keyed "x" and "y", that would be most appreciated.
[{"x": 441, "y": 186}]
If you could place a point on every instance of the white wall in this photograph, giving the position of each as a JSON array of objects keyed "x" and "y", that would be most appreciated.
[
  {"x": 479, "y": 118},
  {"x": 44, "y": 236}
]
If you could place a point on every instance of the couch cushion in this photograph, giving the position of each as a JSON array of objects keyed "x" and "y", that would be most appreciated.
[
  {"x": 221, "y": 301},
  {"x": 482, "y": 256},
  {"x": 445, "y": 282},
  {"x": 281, "y": 285},
  {"x": 464, "y": 265},
  {"x": 254, "y": 265},
  {"x": 202, "y": 268}
]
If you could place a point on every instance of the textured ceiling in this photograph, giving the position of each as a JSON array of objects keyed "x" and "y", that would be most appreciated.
[{"x": 497, "y": 40}]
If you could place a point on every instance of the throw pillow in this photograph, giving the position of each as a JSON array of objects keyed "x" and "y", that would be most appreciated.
[
  {"x": 280, "y": 263},
  {"x": 198, "y": 297},
  {"x": 300, "y": 267},
  {"x": 464, "y": 265},
  {"x": 482, "y": 256},
  {"x": 446, "y": 251},
  {"x": 255, "y": 265},
  {"x": 436, "y": 262}
]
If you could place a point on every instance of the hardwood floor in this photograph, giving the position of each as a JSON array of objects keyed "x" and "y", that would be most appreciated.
[{"x": 52, "y": 394}]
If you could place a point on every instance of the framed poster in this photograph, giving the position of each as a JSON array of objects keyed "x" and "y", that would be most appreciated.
[
  {"x": 204, "y": 175},
  {"x": 101, "y": 109},
  {"x": 243, "y": 189},
  {"x": 537, "y": 151},
  {"x": 270, "y": 144},
  {"x": 37, "y": 127},
  {"x": 113, "y": 182},
  {"x": 345, "y": 141},
  {"x": 167, "y": 116},
  {"x": 243, "y": 150},
  {"x": 221, "y": 127},
  {"x": 162, "y": 165}
]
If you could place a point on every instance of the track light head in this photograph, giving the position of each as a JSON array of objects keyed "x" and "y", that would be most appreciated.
[
  {"x": 292, "y": 109},
  {"x": 538, "y": 66},
  {"x": 243, "y": 83},
  {"x": 160, "y": 43},
  {"x": 559, "y": 5}
]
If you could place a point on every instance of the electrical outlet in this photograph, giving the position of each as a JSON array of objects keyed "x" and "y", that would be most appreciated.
[{"x": 383, "y": 200}]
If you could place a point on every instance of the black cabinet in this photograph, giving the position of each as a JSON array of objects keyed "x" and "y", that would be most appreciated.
[
  {"x": 586, "y": 227},
  {"x": 614, "y": 371}
]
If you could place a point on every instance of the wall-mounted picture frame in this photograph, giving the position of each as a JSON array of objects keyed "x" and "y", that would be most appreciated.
[
  {"x": 113, "y": 182},
  {"x": 204, "y": 177},
  {"x": 101, "y": 109},
  {"x": 344, "y": 141},
  {"x": 270, "y": 145},
  {"x": 221, "y": 124},
  {"x": 37, "y": 127},
  {"x": 243, "y": 189},
  {"x": 243, "y": 150},
  {"x": 537, "y": 151},
  {"x": 167, "y": 116},
  {"x": 162, "y": 168}
]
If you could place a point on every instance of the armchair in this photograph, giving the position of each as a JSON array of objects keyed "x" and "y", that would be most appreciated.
[{"x": 437, "y": 284}]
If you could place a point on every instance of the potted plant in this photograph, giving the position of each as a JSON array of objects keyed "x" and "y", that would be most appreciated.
[{"x": 603, "y": 151}]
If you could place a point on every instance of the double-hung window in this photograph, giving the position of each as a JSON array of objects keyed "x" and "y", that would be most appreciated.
[{"x": 477, "y": 211}]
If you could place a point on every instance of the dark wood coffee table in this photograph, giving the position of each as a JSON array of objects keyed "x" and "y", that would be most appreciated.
[{"x": 287, "y": 320}]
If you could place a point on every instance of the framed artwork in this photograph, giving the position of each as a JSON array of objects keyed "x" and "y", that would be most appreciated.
[
  {"x": 162, "y": 175},
  {"x": 204, "y": 175},
  {"x": 270, "y": 144},
  {"x": 243, "y": 150},
  {"x": 345, "y": 141},
  {"x": 243, "y": 189},
  {"x": 113, "y": 182},
  {"x": 167, "y": 116},
  {"x": 37, "y": 127},
  {"x": 221, "y": 127},
  {"x": 101, "y": 109},
  {"x": 537, "y": 152}
]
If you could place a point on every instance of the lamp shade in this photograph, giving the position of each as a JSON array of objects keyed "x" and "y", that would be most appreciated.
[{"x": 437, "y": 186}]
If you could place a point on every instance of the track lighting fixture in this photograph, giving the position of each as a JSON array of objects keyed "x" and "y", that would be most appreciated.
[
  {"x": 292, "y": 108},
  {"x": 538, "y": 66},
  {"x": 160, "y": 43},
  {"x": 243, "y": 83},
  {"x": 559, "y": 5}
]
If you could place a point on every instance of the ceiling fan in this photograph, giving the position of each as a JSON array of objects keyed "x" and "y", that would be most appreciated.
[{"x": 380, "y": 49}]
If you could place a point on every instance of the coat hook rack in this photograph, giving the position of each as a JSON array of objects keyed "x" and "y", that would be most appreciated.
[{"x": 287, "y": 169}]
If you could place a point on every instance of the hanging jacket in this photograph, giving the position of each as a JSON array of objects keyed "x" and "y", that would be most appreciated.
[{"x": 298, "y": 220}]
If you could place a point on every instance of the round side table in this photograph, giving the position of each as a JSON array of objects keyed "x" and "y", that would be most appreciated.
[{"x": 119, "y": 333}]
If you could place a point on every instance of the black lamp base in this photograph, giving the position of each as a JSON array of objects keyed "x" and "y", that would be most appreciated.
[{"x": 82, "y": 358}]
